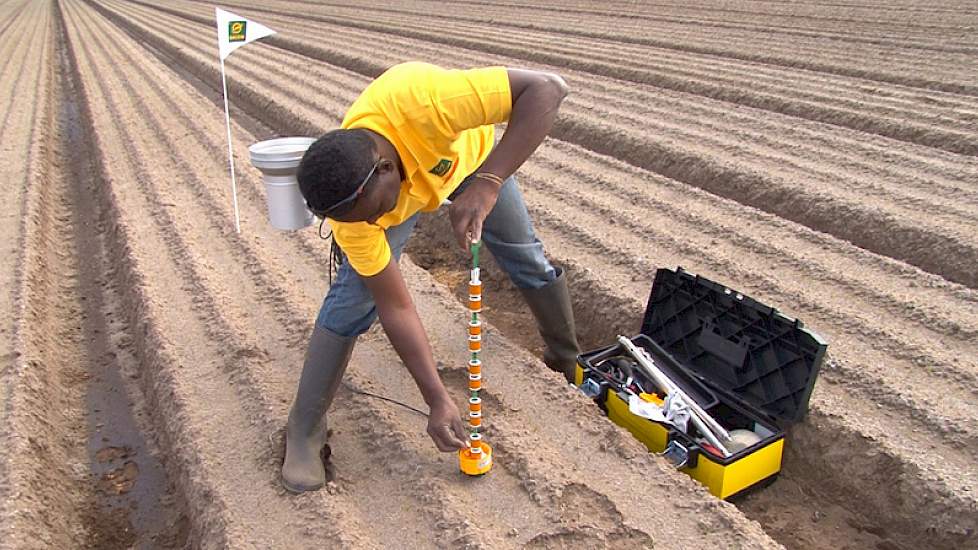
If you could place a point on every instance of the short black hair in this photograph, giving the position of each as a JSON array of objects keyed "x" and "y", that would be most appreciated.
[{"x": 333, "y": 166}]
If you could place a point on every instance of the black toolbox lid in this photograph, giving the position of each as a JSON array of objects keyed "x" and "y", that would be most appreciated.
[{"x": 737, "y": 344}]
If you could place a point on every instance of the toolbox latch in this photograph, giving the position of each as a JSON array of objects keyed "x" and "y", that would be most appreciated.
[
  {"x": 679, "y": 455},
  {"x": 590, "y": 388}
]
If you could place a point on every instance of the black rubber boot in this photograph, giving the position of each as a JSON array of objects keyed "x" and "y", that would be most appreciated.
[
  {"x": 305, "y": 435},
  {"x": 551, "y": 306}
]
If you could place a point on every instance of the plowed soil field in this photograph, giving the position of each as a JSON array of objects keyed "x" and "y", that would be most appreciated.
[{"x": 819, "y": 157}]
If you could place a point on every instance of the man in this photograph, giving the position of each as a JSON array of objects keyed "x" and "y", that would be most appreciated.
[{"x": 418, "y": 135}]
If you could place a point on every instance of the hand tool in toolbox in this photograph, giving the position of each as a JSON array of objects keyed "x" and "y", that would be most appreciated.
[
  {"x": 740, "y": 371},
  {"x": 710, "y": 428}
]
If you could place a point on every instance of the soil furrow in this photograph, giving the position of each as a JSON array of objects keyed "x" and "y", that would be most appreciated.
[
  {"x": 747, "y": 90},
  {"x": 808, "y": 156},
  {"x": 148, "y": 350},
  {"x": 638, "y": 29},
  {"x": 258, "y": 323},
  {"x": 239, "y": 92},
  {"x": 199, "y": 277},
  {"x": 871, "y": 228},
  {"x": 525, "y": 400},
  {"x": 716, "y": 69},
  {"x": 870, "y": 16},
  {"x": 199, "y": 153},
  {"x": 914, "y": 167},
  {"x": 767, "y": 144},
  {"x": 68, "y": 478},
  {"x": 274, "y": 301},
  {"x": 612, "y": 299},
  {"x": 11, "y": 18},
  {"x": 814, "y": 140},
  {"x": 835, "y": 91},
  {"x": 305, "y": 245},
  {"x": 658, "y": 24},
  {"x": 33, "y": 460},
  {"x": 942, "y": 406},
  {"x": 684, "y": 34},
  {"x": 17, "y": 91},
  {"x": 880, "y": 231},
  {"x": 250, "y": 188},
  {"x": 241, "y": 283},
  {"x": 135, "y": 505},
  {"x": 250, "y": 77},
  {"x": 710, "y": 226},
  {"x": 806, "y": 11},
  {"x": 354, "y": 38},
  {"x": 817, "y": 89},
  {"x": 745, "y": 36},
  {"x": 192, "y": 328}
]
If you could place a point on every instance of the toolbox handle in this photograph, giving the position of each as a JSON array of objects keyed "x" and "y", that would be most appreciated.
[{"x": 732, "y": 352}]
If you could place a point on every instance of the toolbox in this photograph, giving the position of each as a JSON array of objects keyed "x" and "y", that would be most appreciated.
[{"x": 749, "y": 367}]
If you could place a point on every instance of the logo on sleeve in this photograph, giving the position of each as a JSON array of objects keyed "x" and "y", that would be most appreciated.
[
  {"x": 237, "y": 31},
  {"x": 442, "y": 168}
]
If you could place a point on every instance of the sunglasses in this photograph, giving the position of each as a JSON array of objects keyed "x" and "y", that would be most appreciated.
[{"x": 346, "y": 204}]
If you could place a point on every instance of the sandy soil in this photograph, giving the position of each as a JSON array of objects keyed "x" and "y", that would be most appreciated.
[
  {"x": 820, "y": 158},
  {"x": 779, "y": 164}
]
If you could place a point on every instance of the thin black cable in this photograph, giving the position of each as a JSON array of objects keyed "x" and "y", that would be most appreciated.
[
  {"x": 335, "y": 253},
  {"x": 388, "y": 399}
]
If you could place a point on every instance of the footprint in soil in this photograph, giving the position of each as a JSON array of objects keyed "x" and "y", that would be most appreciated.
[{"x": 120, "y": 480}]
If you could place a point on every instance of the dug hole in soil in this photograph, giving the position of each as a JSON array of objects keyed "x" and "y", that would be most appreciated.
[{"x": 809, "y": 505}]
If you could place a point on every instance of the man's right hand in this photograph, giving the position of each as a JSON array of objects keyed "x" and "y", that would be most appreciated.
[
  {"x": 470, "y": 209},
  {"x": 445, "y": 426}
]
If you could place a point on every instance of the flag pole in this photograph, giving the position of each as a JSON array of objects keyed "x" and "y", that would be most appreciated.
[{"x": 227, "y": 118}]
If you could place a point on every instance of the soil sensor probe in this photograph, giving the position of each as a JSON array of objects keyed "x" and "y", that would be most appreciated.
[{"x": 476, "y": 458}]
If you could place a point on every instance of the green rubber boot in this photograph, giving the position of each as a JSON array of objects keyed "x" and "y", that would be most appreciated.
[
  {"x": 551, "y": 306},
  {"x": 305, "y": 435}
]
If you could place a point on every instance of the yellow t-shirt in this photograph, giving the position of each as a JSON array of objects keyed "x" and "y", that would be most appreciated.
[{"x": 441, "y": 123}]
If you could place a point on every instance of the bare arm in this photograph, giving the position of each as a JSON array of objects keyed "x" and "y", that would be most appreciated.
[
  {"x": 536, "y": 98},
  {"x": 403, "y": 327}
]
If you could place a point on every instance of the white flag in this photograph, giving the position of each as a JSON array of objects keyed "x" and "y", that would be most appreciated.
[{"x": 234, "y": 31}]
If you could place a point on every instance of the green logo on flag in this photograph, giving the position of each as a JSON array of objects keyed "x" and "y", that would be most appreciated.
[
  {"x": 442, "y": 168},
  {"x": 237, "y": 31}
]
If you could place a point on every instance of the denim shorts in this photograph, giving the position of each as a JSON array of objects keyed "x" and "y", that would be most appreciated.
[{"x": 349, "y": 309}]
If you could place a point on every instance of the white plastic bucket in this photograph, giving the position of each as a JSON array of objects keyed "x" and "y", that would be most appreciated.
[{"x": 278, "y": 160}]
